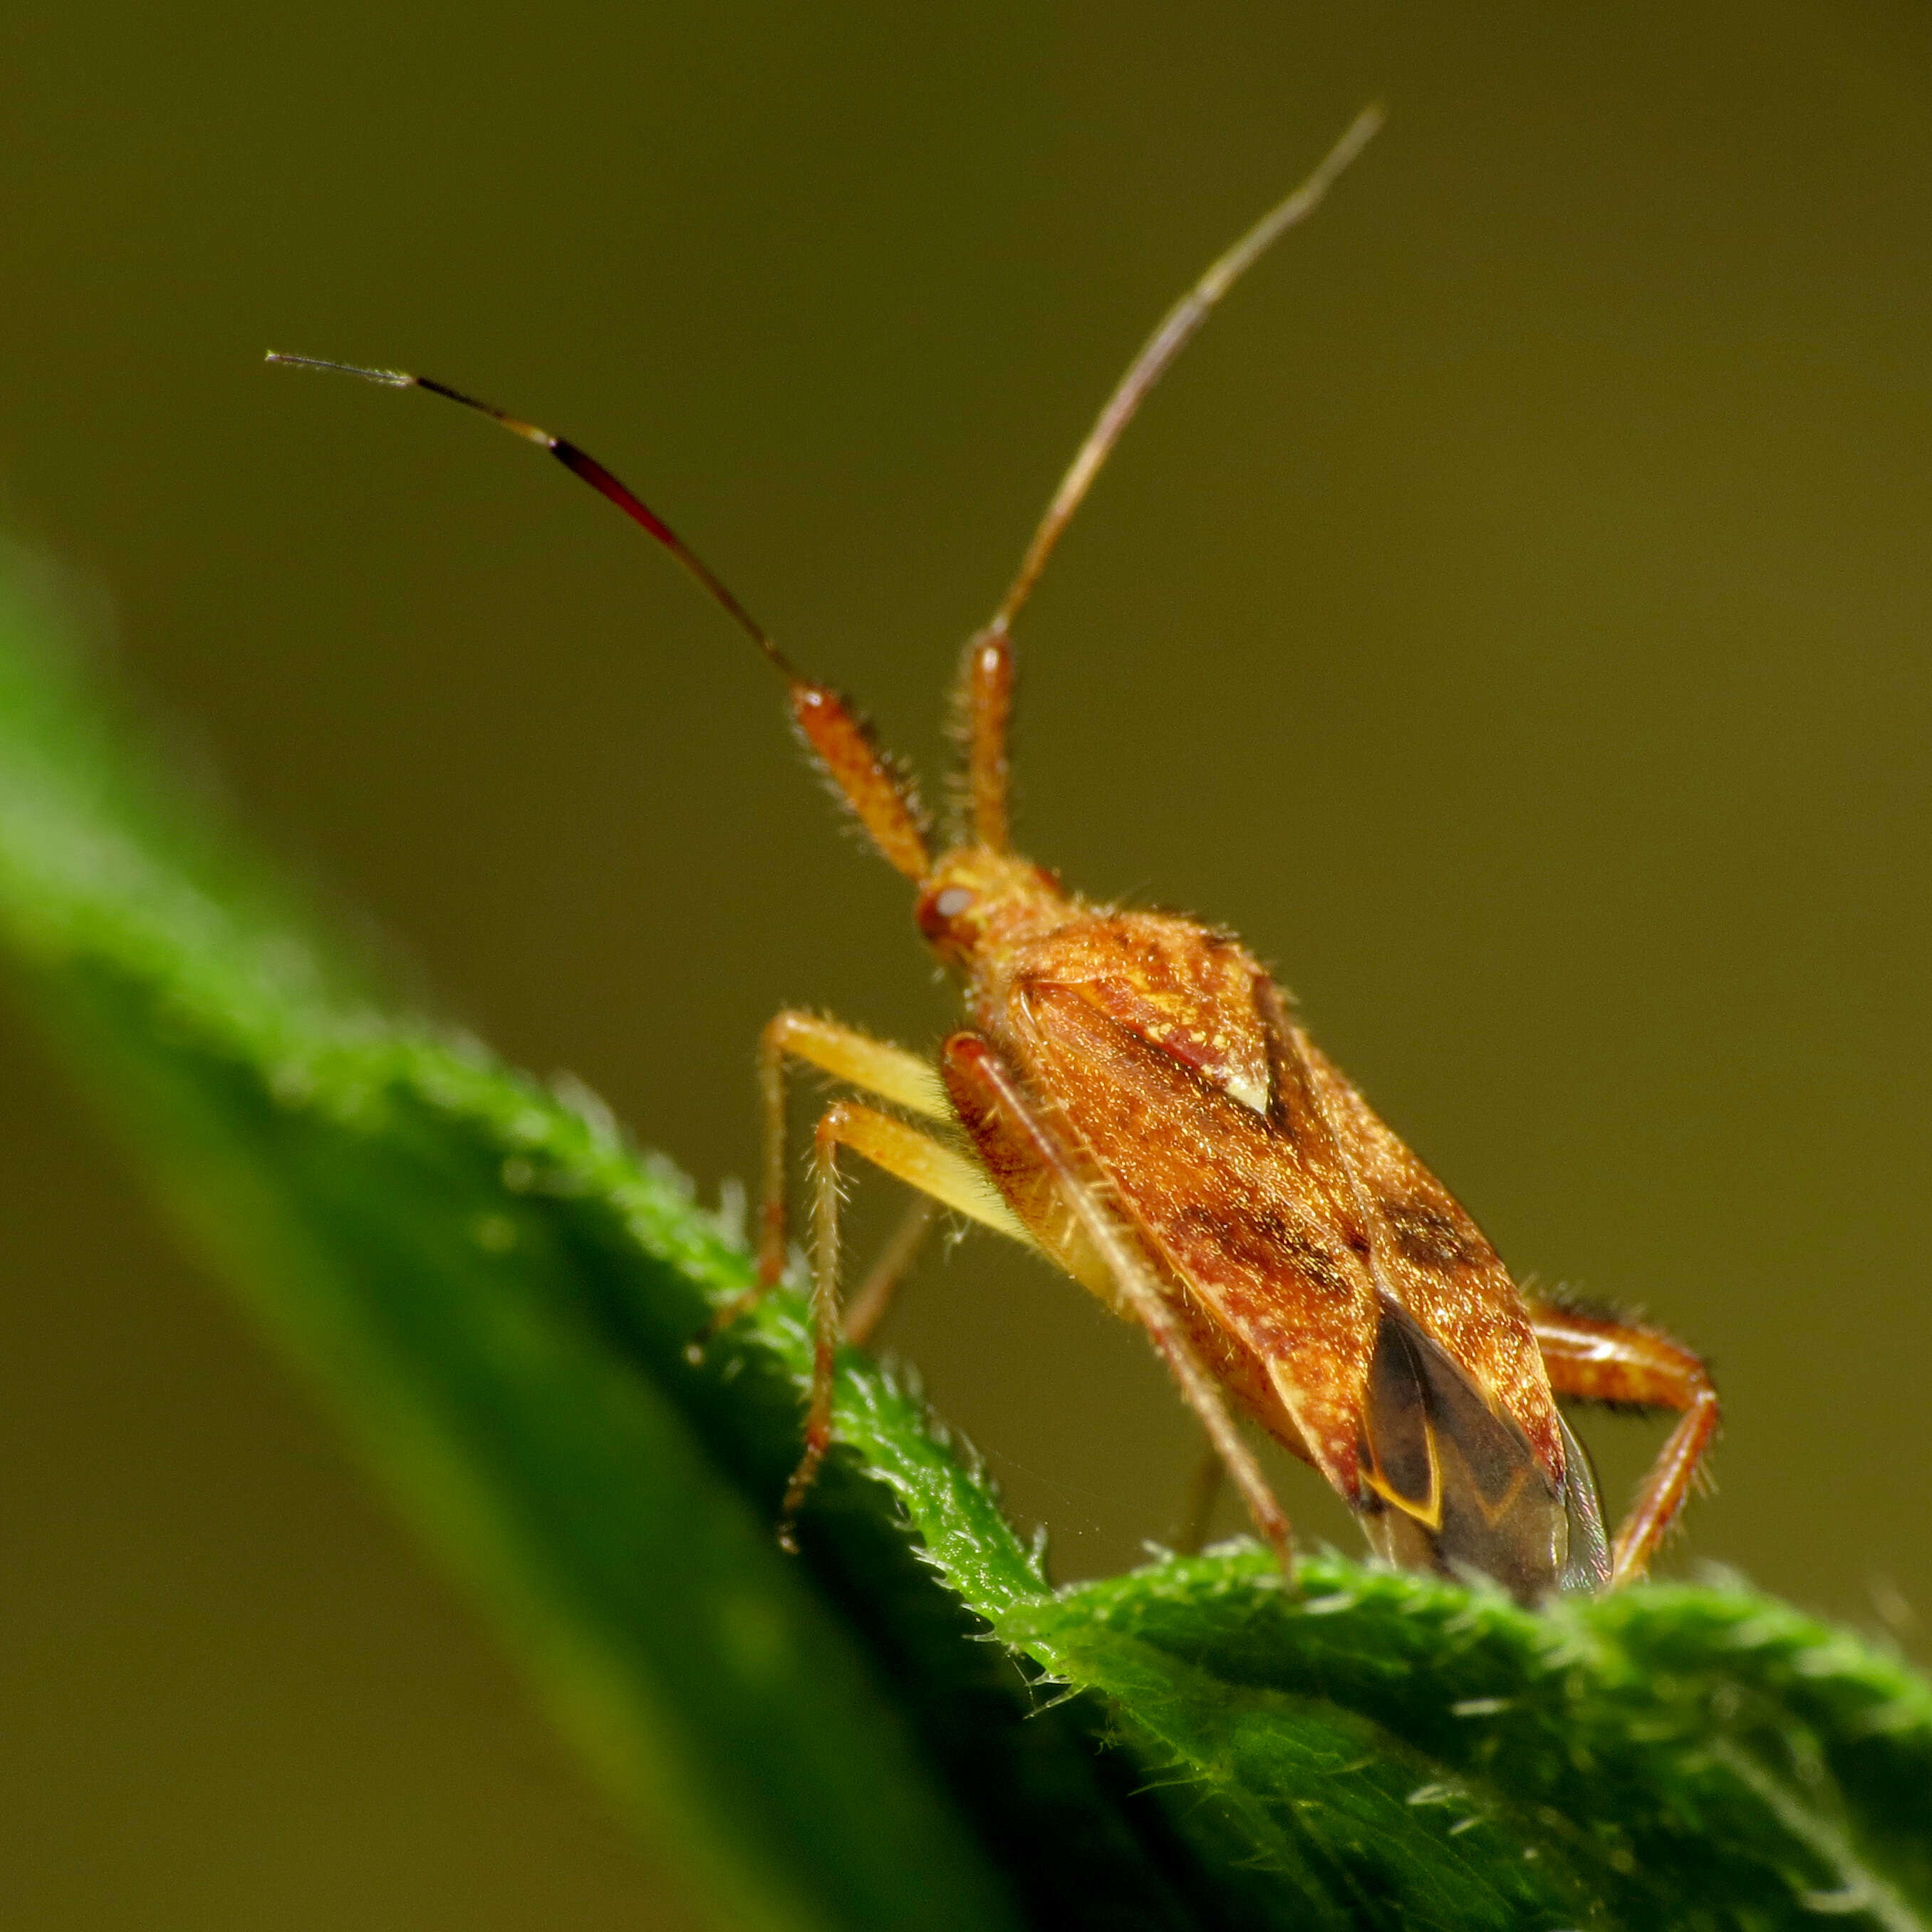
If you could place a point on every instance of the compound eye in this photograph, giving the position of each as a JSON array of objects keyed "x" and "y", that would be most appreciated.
[{"x": 940, "y": 914}]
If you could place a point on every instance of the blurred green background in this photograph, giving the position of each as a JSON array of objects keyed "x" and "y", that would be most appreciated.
[{"x": 1512, "y": 616}]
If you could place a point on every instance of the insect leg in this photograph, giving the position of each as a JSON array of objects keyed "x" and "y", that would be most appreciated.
[
  {"x": 873, "y": 1295},
  {"x": 1597, "y": 1359},
  {"x": 1017, "y": 1141},
  {"x": 847, "y": 1054},
  {"x": 923, "y": 1164}
]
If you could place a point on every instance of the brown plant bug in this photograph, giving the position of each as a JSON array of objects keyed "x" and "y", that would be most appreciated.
[{"x": 1133, "y": 1098}]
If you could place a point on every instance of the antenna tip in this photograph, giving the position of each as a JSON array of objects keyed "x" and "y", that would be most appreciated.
[
  {"x": 1359, "y": 132},
  {"x": 390, "y": 379}
]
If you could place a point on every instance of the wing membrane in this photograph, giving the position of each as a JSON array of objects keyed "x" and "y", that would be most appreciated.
[{"x": 1459, "y": 1489}]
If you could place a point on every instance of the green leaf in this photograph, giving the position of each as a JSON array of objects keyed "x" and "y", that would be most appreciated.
[
  {"x": 1668, "y": 1756},
  {"x": 497, "y": 1296}
]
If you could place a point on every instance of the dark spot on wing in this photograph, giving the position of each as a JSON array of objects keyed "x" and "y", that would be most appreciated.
[
  {"x": 1261, "y": 1242},
  {"x": 1432, "y": 1239}
]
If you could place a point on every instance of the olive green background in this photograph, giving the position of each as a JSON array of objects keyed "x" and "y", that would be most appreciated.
[{"x": 1512, "y": 616}]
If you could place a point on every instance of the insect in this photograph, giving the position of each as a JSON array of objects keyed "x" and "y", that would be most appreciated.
[{"x": 1133, "y": 1097}]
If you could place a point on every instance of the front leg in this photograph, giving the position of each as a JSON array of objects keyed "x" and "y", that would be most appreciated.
[
  {"x": 859, "y": 1060},
  {"x": 847, "y": 1055},
  {"x": 1596, "y": 1358},
  {"x": 936, "y": 1172}
]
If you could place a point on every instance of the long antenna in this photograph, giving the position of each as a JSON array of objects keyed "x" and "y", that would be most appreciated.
[
  {"x": 579, "y": 464},
  {"x": 1167, "y": 341},
  {"x": 880, "y": 794}
]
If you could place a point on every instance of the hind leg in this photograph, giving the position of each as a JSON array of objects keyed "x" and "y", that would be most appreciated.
[{"x": 1597, "y": 1359}]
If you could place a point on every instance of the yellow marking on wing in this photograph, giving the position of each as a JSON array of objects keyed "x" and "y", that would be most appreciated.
[{"x": 1429, "y": 1515}]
